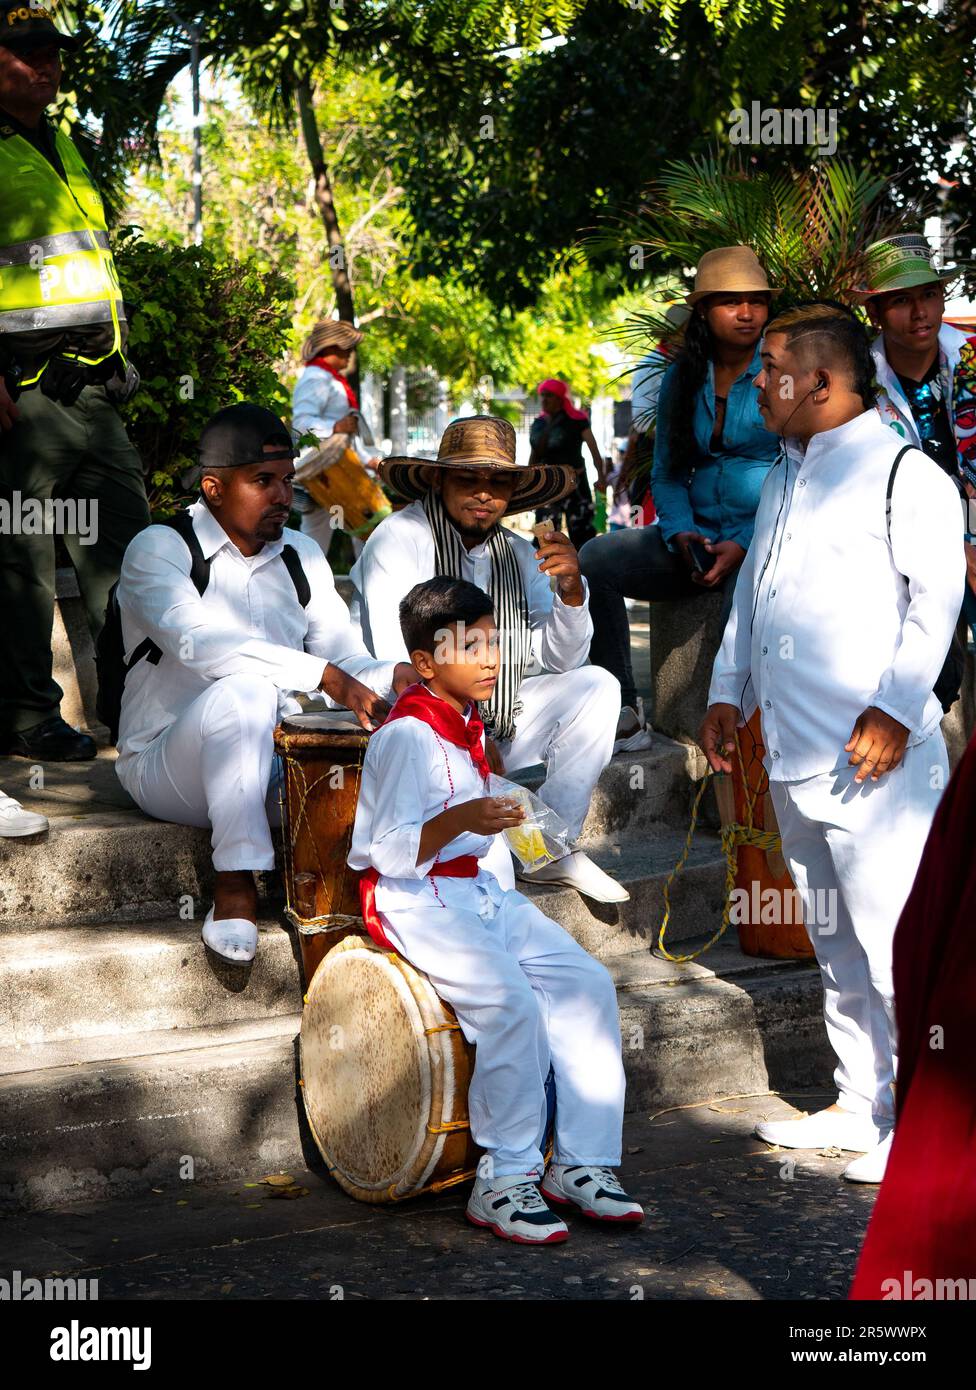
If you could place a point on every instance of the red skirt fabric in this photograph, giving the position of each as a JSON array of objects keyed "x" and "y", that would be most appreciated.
[{"x": 923, "y": 1228}]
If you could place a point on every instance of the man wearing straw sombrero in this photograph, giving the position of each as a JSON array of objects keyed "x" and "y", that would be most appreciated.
[{"x": 564, "y": 718}]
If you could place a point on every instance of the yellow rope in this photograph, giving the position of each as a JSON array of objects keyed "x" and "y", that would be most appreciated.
[{"x": 732, "y": 837}]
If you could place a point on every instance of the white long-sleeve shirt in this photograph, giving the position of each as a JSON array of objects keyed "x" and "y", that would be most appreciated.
[
  {"x": 318, "y": 403},
  {"x": 400, "y": 553},
  {"x": 836, "y": 626},
  {"x": 247, "y": 621},
  {"x": 409, "y": 776}
]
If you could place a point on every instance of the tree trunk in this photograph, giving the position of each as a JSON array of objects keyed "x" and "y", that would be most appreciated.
[{"x": 326, "y": 205}]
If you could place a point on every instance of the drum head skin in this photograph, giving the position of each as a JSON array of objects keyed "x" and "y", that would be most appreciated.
[
  {"x": 377, "y": 1082},
  {"x": 336, "y": 725}
]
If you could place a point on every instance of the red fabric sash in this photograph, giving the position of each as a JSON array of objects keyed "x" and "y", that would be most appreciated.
[
  {"x": 328, "y": 367},
  {"x": 464, "y": 866},
  {"x": 417, "y": 702}
]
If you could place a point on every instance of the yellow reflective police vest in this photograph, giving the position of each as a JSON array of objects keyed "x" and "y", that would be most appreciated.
[{"x": 56, "y": 267}]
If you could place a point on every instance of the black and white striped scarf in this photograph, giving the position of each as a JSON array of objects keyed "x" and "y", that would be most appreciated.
[{"x": 507, "y": 593}]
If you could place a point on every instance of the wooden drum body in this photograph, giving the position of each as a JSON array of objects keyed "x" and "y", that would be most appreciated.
[
  {"x": 385, "y": 1073},
  {"x": 772, "y": 922},
  {"x": 360, "y": 502},
  {"x": 323, "y": 758}
]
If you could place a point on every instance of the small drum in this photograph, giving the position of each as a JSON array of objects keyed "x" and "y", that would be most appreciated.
[
  {"x": 761, "y": 873},
  {"x": 323, "y": 758},
  {"x": 358, "y": 501},
  {"x": 385, "y": 1072}
]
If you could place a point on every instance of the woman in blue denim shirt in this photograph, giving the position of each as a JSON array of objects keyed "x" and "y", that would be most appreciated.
[{"x": 711, "y": 454}]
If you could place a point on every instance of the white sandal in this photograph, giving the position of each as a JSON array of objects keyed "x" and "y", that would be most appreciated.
[{"x": 234, "y": 939}]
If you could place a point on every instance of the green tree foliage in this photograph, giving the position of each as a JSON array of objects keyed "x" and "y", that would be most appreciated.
[
  {"x": 503, "y": 161},
  {"x": 205, "y": 333},
  {"x": 261, "y": 207}
]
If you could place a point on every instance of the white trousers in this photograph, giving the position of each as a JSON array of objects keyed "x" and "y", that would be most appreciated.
[
  {"x": 526, "y": 995},
  {"x": 213, "y": 768},
  {"x": 853, "y": 852},
  {"x": 568, "y": 722}
]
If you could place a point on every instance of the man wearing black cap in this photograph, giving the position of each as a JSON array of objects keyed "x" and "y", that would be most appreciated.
[
  {"x": 203, "y": 695},
  {"x": 62, "y": 335}
]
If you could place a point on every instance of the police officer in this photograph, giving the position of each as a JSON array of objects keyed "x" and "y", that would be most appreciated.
[{"x": 62, "y": 371}]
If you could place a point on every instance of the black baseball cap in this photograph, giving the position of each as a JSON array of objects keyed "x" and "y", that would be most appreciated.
[
  {"x": 236, "y": 436},
  {"x": 26, "y": 25}
]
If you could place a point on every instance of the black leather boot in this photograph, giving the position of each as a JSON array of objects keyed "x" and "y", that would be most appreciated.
[{"x": 53, "y": 741}]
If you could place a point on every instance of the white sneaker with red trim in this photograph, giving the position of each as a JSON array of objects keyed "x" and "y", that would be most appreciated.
[
  {"x": 512, "y": 1208},
  {"x": 596, "y": 1191}
]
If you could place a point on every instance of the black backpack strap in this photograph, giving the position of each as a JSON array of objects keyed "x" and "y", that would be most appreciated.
[
  {"x": 182, "y": 524},
  {"x": 146, "y": 648},
  {"x": 891, "y": 485},
  {"x": 298, "y": 576}
]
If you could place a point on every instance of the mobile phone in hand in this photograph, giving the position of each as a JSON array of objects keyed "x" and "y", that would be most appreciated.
[{"x": 701, "y": 560}]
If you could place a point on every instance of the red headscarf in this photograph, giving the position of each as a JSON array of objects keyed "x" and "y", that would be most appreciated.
[{"x": 560, "y": 389}]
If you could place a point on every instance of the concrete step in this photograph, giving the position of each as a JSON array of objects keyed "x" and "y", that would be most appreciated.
[
  {"x": 103, "y": 862},
  {"x": 89, "y": 1117},
  {"x": 85, "y": 981},
  {"x": 121, "y": 866}
]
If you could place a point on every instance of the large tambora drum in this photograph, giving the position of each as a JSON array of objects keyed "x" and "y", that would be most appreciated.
[
  {"x": 323, "y": 758},
  {"x": 385, "y": 1071},
  {"x": 358, "y": 501},
  {"x": 770, "y": 919}
]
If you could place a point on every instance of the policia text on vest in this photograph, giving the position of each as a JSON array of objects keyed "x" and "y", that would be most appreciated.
[{"x": 59, "y": 290}]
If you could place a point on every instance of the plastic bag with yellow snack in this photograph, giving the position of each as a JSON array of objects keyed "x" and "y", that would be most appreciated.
[{"x": 542, "y": 836}]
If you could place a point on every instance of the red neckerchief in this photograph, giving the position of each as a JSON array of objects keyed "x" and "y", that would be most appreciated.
[
  {"x": 328, "y": 367},
  {"x": 417, "y": 702}
]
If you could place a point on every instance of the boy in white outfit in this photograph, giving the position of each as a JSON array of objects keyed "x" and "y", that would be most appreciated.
[{"x": 524, "y": 992}]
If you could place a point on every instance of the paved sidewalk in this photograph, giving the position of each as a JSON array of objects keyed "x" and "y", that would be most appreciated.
[{"x": 727, "y": 1218}]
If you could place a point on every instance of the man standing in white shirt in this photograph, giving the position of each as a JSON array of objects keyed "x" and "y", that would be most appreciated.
[
  {"x": 843, "y": 613},
  {"x": 565, "y": 718},
  {"x": 324, "y": 404},
  {"x": 210, "y": 673}
]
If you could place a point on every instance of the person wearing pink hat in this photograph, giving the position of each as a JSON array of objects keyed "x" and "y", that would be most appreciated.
[{"x": 557, "y": 436}]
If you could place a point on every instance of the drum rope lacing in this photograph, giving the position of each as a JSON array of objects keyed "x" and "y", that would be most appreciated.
[
  {"x": 732, "y": 836},
  {"x": 331, "y": 920}
]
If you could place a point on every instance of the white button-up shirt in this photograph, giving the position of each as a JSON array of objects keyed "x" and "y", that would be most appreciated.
[
  {"x": 318, "y": 403},
  {"x": 247, "y": 621},
  {"x": 400, "y": 553},
  {"x": 409, "y": 776},
  {"x": 828, "y": 617}
]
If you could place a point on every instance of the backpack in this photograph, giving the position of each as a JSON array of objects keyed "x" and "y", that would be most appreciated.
[
  {"x": 110, "y": 662},
  {"x": 949, "y": 683}
]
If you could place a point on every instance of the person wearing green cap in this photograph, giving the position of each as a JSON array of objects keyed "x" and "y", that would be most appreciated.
[
  {"x": 926, "y": 368},
  {"x": 62, "y": 371}
]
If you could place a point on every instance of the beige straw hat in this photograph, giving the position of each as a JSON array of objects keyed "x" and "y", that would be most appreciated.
[
  {"x": 480, "y": 441},
  {"x": 729, "y": 270},
  {"x": 330, "y": 333}
]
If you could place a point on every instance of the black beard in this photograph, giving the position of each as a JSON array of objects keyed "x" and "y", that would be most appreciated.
[
  {"x": 270, "y": 530},
  {"x": 472, "y": 535}
]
